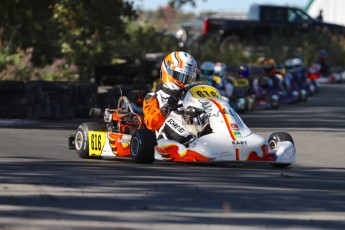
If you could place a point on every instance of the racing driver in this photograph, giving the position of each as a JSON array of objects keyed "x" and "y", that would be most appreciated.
[{"x": 177, "y": 70}]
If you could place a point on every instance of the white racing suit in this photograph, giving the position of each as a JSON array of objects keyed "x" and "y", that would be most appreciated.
[{"x": 170, "y": 124}]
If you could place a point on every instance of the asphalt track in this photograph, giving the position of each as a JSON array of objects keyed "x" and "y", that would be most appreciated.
[{"x": 44, "y": 185}]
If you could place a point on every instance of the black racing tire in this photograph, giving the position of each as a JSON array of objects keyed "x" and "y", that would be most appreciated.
[
  {"x": 36, "y": 92},
  {"x": 16, "y": 111},
  {"x": 81, "y": 143},
  {"x": 276, "y": 137},
  {"x": 12, "y": 87},
  {"x": 18, "y": 99},
  {"x": 275, "y": 105},
  {"x": 54, "y": 86},
  {"x": 142, "y": 146}
]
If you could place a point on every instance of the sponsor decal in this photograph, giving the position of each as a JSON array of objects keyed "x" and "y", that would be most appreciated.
[
  {"x": 237, "y": 134},
  {"x": 175, "y": 125},
  {"x": 234, "y": 126},
  {"x": 239, "y": 143},
  {"x": 125, "y": 140},
  {"x": 223, "y": 154},
  {"x": 207, "y": 106}
]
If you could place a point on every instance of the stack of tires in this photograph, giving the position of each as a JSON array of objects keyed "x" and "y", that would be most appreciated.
[
  {"x": 83, "y": 96},
  {"x": 46, "y": 100},
  {"x": 16, "y": 100}
]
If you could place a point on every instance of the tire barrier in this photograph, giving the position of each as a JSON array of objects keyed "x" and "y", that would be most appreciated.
[{"x": 46, "y": 100}]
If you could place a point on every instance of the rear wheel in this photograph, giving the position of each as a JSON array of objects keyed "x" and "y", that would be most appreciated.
[
  {"x": 273, "y": 140},
  {"x": 81, "y": 143},
  {"x": 142, "y": 146}
]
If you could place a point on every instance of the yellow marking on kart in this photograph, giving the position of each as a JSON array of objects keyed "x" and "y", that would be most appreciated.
[
  {"x": 205, "y": 91},
  {"x": 241, "y": 83},
  {"x": 96, "y": 142}
]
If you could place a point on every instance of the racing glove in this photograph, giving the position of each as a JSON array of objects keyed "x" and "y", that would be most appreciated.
[{"x": 170, "y": 105}]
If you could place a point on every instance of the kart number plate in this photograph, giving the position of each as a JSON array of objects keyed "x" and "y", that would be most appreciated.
[
  {"x": 205, "y": 91},
  {"x": 96, "y": 143},
  {"x": 241, "y": 83}
]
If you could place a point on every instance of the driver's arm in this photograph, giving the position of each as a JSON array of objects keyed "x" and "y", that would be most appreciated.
[{"x": 153, "y": 116}]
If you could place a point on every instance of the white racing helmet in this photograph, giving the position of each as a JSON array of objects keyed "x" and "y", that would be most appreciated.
[
  {"x": 297, "y": 64},
  {"x": 219, "y": 69},
  {"x": 289, "y": 66},
  {"x": 178, "y": 69},
  {"x": 207, "y": 69}
]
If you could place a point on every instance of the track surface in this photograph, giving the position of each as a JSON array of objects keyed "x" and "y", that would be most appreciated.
[{"x": 44, "y": 185}]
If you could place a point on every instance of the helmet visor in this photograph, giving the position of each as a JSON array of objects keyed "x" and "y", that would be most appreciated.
[
  {"x": 207, "y": 72},
  {"x": 183, "y": 78}
]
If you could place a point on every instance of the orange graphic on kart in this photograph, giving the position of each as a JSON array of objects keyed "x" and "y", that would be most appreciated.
[
  {"x": 118, "y": 148},
  {"x": 170, "y": 153}
]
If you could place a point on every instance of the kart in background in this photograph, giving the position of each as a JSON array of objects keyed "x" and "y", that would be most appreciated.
[
  {"x": 314, "y": 74},
  {"x": 267, "y": 96}
]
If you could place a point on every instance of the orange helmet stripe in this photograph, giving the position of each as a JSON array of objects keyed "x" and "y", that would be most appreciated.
[{"x": 180, "y": 62}]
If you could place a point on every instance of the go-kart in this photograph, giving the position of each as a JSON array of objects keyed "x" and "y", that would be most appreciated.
[
  {"x": 266, "y": 94},
  {"x": 243, "y": 96},
  {"x": 314, "y": 73},
  {"x": 220, "y": 135}
]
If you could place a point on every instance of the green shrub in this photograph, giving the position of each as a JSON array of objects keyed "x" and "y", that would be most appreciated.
[
  {"x": 18, "y": 66},
  {"x": 278, "y": 47}
]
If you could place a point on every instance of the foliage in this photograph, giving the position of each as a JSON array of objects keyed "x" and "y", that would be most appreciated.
[
  {"x": 278, "y": 48},
  {"x": 178, "y": 3},
  {"x": 44, "y": 39},
  {"x": 85, "y": 32},
  {"x": 59, "y": 70},
  {"x": 92, "y": 33},
  {"x": 308, "y": 46},
  {"x": 146, "y": 39},
  {"x": 27, "y": 23},
  {"x": 18, "y": 66}
]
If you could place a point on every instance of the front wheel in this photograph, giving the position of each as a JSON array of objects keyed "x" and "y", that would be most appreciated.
[
  {"x": 142, "y": 146},
  {"x": 273, "y": 140},
  {"x": 81, "y": 142}
]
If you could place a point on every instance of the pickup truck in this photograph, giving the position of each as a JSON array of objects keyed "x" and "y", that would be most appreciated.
[{"x": 262, "y": 22}]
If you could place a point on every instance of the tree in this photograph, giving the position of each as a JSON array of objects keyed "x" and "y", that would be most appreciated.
[
  {"x": 93, "y": 31},
  {"x": 86, "y": 32},
  {"x": 27, "y": 23},
  {"x": 179, "y": 3}
]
